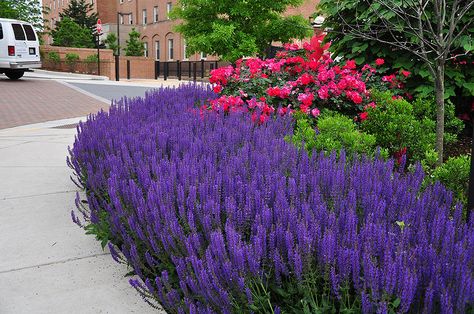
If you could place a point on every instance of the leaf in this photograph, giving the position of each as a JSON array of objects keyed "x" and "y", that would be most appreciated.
[
  {"x": 401, "y": 224},
  {"x": 396, "y": 302},
  {"x": 448, "y": 92},
  {"x": 469, "y": 87},
  {"x": 130, "y": 273},
  {"x": 467, "y": 43},
  {"x": 424, "y": 73}
]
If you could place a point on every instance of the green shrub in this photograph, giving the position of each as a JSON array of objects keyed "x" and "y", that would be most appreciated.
[
  {"x": 72, "y": 57},
  {"x": 71, "y": 60},
  {"x": 454, "y": 174},
  {"x": 396, "y": 127},
  {"x": 53, "y": 56},
  {"x": 333, "y": 133},
  {"x": 91, "y": 58},
  {"x": 426, "y": 108}
]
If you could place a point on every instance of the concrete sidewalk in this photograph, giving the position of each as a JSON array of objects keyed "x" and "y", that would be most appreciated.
[
  {"x": 47, "y": 264},
  {"x": 44, "y": 74}
]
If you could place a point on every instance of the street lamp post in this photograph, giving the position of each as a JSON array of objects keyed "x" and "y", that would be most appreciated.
[{"x": 117, "y": 55}]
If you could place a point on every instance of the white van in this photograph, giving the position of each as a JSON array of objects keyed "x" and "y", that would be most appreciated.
[{"x": 19, "y": 48}]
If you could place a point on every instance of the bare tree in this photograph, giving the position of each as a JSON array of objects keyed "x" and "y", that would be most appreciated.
[{"x": 428, "y": 29}]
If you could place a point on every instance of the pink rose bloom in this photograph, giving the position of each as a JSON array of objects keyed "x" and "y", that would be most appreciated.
[
  {"x": 217, "y": 89},
  {"x": 323, "y": 92},
  {"x": 323, "y": 76},
  {"x": 379, "y": 61},
  {"x": 306, "y": 99},
  {"x": 273, "y": 91},
  {"x": 350, "y": 64},
  {"x": 388, "y": 78},
  {"x": 356, "y": 98},
  {"x": 285, "y": 92},
  {"x": 306, "y": 79},
  {"x": 370, "y": 105},
  {"x": 252, "y": 103},
  {"x": 315, "y": 112},
  {"x": 406, "y": 73}
]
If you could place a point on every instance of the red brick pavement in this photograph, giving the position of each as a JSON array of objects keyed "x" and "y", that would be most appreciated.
[{"x": 31, "y": 101}]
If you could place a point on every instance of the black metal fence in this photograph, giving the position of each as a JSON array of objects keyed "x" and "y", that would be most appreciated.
[{"x": 187, "y": 70}]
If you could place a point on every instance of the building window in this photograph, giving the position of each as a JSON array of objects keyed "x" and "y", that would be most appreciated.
[
  {"x": 121, "y": 19},
  {"x": 203, "y": 55},
  {"x": 121, "y": 1},
  {"x": 144, "y": 17},
  {"x": 155, "y": 14},
  {"x": 170, "y": 49},
  {"x": 145, "y": 49},
  {"x": 169, "y": 6},
  {"x": 157, "y": 50},
  {"x": 130, "y": 19}
]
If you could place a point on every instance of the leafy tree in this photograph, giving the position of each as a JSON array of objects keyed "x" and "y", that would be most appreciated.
[
  {"x": 81, "y": 12},
  {"x": 70, "y": 34},
  {"x": 236, "y": 28},
  {"x": 134, "y": 44},
  {"x": 25, "y": 10},
  {"x": 431, "y": 38},
  {"x": 111, "y": 42}
]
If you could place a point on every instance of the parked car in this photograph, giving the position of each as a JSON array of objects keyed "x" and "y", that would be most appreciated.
[{"x": 19, "y": 48}]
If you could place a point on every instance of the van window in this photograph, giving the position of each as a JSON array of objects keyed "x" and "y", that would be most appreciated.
[
  {"x": 18, "y": 31},
  {"x": 1, "y": 31},
  {"x": 30, "y": 33}
]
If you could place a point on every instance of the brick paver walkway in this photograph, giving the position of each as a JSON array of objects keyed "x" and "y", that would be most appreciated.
[{"x": 32, "y": 101}]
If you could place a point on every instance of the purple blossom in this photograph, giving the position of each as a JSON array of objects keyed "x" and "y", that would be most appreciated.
[{"x": 201, "y": 206}]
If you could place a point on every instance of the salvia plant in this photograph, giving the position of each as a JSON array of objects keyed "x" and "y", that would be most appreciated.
[{"x": 216, "y": 214}]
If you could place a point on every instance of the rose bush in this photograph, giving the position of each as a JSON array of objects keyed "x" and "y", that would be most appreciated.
[{"x": 303, "y": 78}]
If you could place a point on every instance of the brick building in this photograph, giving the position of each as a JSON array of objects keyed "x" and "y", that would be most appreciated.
[{"x": 150, "y": 18}]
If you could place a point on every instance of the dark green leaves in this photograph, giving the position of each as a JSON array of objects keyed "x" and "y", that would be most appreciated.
[{"x": 236, "y": 29}]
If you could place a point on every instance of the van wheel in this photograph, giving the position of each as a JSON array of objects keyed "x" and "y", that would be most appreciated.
[{"x": 14, "y": 74}]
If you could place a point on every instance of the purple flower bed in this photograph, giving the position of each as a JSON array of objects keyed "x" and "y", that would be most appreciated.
[{"x": 217, "y": 215}]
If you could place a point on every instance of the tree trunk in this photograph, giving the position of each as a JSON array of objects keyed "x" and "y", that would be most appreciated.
[{"x": 439, "y": 94}]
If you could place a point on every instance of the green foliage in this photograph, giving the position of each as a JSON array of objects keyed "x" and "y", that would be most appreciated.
[
  {"x": 24, "y": 10},
  {"x": 72, "y": 57},
  {"x": 71, "y": 60},
  {"x": 233, "y": 29},
  {"x": 70, "y": 34},
  {"x": 333, "y": 133},
  {"x": 426, "y": 108},
  {"x": 370, "y": 14},
  {"x": 429, "y": 161},
  {"x": 395, "y": 126},
  {"x": 91, "y": 58},
  {"x": 53, "y": 56},
  {"x": 454, "y": 174},
  {"x": 310, "y": 295},
  {"x": 81, "y": 12},
  {"x": 111, "y": 42},
  {"x": 100, "y": 229},
  {"x": 135, "y": 46}
]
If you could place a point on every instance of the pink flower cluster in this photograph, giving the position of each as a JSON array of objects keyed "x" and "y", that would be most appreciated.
[{"x": 300, "y": 78}]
